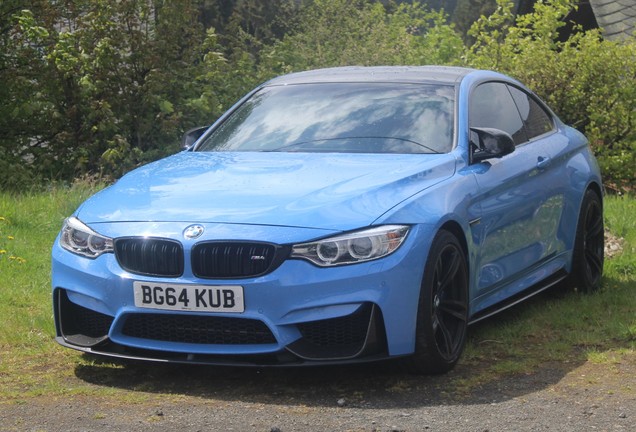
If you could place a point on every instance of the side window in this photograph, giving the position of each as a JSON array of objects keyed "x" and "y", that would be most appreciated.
[
  {"x": 492, "y": 106},
  {"x": 536, "y": 119}
]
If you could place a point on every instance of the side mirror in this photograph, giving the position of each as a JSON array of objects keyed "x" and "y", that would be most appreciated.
[
  {"x": 191, "y": 136},
  {"x": 488, "y": 143}
]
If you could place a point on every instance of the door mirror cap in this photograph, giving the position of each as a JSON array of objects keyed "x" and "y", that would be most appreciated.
[{"x": 488, "y": 143}]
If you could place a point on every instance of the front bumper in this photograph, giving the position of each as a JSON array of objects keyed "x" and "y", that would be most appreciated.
[
  {"x": 356, "y": 337},
  {"x": 298, "y": 314}
]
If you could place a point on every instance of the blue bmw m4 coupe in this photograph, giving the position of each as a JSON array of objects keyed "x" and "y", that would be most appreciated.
[{"x": 331, "y": 216}]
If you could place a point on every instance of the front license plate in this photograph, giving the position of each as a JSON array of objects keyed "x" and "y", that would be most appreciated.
[{"x": 199, "y": 298}]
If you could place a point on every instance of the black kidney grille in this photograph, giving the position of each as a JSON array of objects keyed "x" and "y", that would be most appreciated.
[
  {"x": 233, "y": 259},
  {"x": 198, "y": 329},
  {"x": 150, "y": 256}
]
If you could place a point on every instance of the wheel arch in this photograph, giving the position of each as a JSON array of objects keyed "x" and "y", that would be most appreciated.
[
  {"x": 456, "y": 229},
  {"x": 586, "y": 265},
  {"x": 578, "y": 206},
  {"x": 433, "y": 352},
  {"x": 598, "y": 189}
]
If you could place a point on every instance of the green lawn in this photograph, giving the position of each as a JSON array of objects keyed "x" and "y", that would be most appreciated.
[{"x": 550, "y": 328}]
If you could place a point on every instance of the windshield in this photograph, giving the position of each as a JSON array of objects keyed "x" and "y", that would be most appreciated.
[{"x": 341, "y": 118}]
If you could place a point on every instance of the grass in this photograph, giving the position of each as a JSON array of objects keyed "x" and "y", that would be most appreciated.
[
  {"x": 559, "y": 328},
  {"x": 566, "y": 327},
  {"x": 30, "y": 363}
]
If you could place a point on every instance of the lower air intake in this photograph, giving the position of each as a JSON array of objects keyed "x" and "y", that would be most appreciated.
[{"x": 198, "y": 329}]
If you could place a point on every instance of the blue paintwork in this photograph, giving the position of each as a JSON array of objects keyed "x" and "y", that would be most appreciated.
[
  {"x": 517, "y": 214},
  {"x": 327, "y": 191}
]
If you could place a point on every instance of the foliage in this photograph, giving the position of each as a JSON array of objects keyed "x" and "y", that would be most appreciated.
[
  {"x": 27, "y": 114},
  {"x": 408, "y": 34},
  {"x": 588, "y": 81},
  {"x": 468, "y": 11},
  {"x": 100, "y": 87}
]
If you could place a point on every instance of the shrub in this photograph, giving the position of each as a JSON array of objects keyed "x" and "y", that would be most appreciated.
[
  {"x": 358, "y": 32},
  {"x": 589, "y": 82}
]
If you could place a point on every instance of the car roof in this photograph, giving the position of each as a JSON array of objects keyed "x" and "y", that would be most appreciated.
[{"x": 406, "y": 74}]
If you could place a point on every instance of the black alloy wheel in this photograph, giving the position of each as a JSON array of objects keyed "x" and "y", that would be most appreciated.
[
  {"x": 589, "y": 246},
  {"x": 443, "y": 308}
]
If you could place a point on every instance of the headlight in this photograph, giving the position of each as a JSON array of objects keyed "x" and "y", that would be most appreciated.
[
  {"x": 354, "y": 247},
  {"x": 80, "y": 239}
]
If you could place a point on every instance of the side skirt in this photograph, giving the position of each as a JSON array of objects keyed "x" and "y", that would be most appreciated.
[{"x": 519, "y": 297}]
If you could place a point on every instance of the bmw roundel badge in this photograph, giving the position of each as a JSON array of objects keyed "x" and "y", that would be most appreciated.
[{"x": 193, "y": 232}]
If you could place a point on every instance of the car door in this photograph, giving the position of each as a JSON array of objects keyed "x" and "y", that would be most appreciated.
[{"x": 520, "y": 210}]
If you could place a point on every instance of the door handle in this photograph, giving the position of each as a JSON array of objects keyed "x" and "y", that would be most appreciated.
[{"x": 543, "y": 162}]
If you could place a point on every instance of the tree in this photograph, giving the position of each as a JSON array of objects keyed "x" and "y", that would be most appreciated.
[
  {"x": 102, "y": 86},
  {"x": 590, "y": 82},
  {"x": 28, "y": 116},
  {"x": 357, "y": 32}
]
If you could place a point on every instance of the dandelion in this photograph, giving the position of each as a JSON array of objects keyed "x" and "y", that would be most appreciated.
[
  {"x": 17, "y": 259},
  {"x": 10, "y": 256}
]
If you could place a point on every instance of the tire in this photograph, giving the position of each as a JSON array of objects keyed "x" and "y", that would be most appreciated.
[
  {"x": 442, "y": 315},
  {"x": 589, "y": 246}
]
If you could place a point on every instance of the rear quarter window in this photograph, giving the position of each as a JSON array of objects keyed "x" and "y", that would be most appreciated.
[{"x": 536, "y": 119}]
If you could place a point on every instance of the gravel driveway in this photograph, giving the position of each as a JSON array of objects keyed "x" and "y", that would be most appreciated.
[{"x": 379, "y": 397}]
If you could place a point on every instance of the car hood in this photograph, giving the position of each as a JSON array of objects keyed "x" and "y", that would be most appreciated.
[{"x": 325, "y": 191}]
